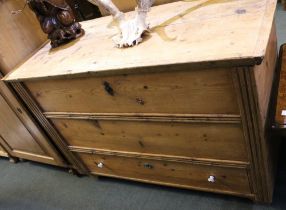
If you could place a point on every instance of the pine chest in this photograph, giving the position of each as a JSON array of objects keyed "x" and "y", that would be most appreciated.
[{"x": 188, "y": 107}]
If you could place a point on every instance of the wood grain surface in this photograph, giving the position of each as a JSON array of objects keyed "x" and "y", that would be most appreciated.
[
  {"x": 181, "y": 92},
  {"x": 20, "y": 34},
  {"x": 14, "y": 131},
  {"x": 37, "y": 137},
  {"x": 264, "y": 75},
  {"x": 22, "y": 137},
  {"x": 196, "y": 140},
  {"x": 228, "y": 180},
  {"x": 200, "y": 33}
]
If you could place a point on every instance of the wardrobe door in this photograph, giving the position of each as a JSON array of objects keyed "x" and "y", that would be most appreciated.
[
  {"x": 20, "y": 135},
  {"x": 20, "y": 35},
  {"x": 3, "y": 152},
  {"x": 24, "y": 139}
]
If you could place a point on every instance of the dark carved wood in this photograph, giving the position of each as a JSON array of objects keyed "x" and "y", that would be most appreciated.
[{"x": 57, "y": 20}]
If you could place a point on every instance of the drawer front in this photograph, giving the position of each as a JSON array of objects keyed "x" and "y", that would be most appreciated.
[
  {"x": 224, "y": 179},
  {"x": 200, "y": 140},
  {"x": 193, "y": 92}
]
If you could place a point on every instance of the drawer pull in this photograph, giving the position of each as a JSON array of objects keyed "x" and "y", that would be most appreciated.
[
  {"x": 148, "y": 165},
  {"x": 140, "y": 101},
  {"x": 108, "y": 88},
  {"x": 211, "y": 179},
  {"x": 100, "y": 165}
]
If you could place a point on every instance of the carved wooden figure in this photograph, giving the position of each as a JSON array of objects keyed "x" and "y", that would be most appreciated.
[{"x": 57, "y": 20}]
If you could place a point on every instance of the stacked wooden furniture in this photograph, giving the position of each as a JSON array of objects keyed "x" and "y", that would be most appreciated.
[
  {"x": 20, "y": 134},
  {"x": 280, "y": 116},
  {"x": 186, "y": 108}
]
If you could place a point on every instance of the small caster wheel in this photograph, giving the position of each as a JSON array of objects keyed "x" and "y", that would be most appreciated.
[
  {"x": 96, "y": 177},
  {"x": 13, "y": 160},
  {"x": 74, "y": 172}
]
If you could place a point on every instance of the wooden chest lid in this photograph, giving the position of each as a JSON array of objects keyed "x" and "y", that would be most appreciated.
[{"x": 193, "y": 32}]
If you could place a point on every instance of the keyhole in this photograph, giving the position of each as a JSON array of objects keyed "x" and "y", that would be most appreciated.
[{"x": 108, "y": 88}]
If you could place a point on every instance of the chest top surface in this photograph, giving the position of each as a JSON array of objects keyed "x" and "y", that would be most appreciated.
[{"x": 189, "y": 32}]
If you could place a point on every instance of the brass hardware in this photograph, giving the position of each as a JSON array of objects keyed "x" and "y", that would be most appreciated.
[
  {"x": 140, "y": 101},
  {"x": 148, "y": 165}
]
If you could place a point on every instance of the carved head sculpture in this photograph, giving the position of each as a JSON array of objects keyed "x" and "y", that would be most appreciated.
[
  {"x": 131, "y": 31},
  {"x": 57, "y": 20}
]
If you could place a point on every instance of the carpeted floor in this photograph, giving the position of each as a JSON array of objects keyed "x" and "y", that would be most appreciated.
[{"x": 35, "y": 186}]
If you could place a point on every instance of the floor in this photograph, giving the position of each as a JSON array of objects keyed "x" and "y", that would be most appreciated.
[{"x": 33, "y": 186}]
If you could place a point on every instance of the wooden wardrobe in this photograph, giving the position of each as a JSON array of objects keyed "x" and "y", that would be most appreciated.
[{"x": 20, "y": 134}]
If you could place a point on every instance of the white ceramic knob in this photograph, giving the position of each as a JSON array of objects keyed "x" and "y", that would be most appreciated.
[
  {"x": 100, "y": 165},
  {"x": 211, "y": 179}
]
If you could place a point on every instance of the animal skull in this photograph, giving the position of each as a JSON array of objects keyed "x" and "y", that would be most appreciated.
[{"x": 131, "y": 31}]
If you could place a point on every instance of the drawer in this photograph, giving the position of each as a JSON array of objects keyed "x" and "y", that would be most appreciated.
[
  {"x": 193, "y": 92},
  {"x": 179, "y": 174},
  {"x": 200, "y": 140}
]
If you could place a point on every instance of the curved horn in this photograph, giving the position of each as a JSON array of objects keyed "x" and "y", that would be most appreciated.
[{"x": 110, "y": 7}]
